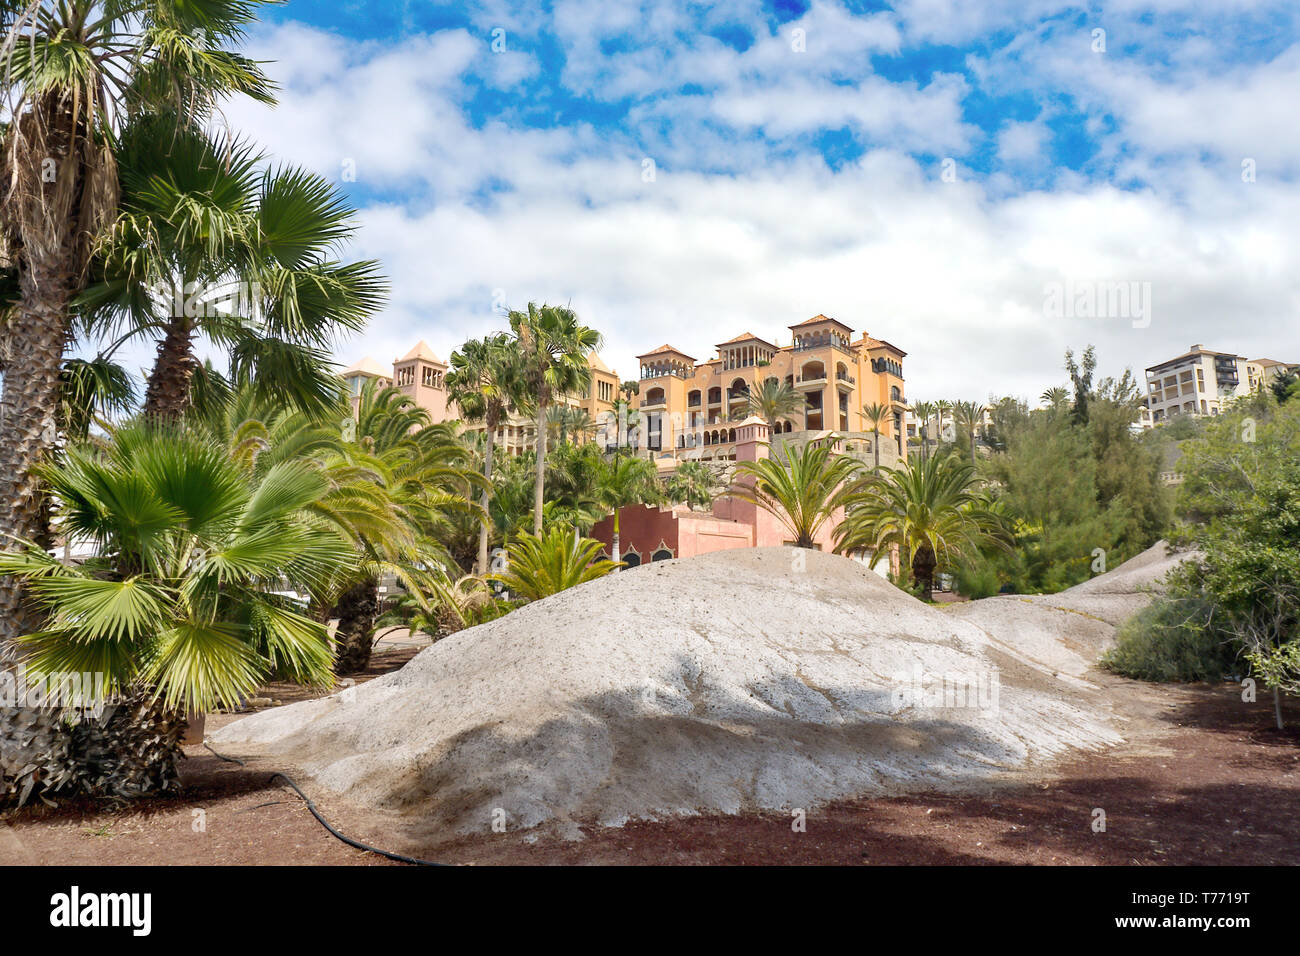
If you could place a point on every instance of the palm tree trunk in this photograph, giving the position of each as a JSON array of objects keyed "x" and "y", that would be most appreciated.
[
  {"x": 875, "y": 447},
  {"x": 356, "y": 611},
  {"x": 167, "y": 396},
  {"x": 487, "y": 474},
  {"x": 923, "y": 570},
  {"x": 614, "y": 540},
  {"x": 539, "y": 483},
  {"x": 28, "y": 429}
]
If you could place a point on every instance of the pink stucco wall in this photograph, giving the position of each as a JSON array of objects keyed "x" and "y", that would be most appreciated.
[{"x": 732, "y": 523}]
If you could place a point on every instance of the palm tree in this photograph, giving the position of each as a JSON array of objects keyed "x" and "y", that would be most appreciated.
[
  {"x": 565, "y": 420},
  {"x": 627, "y": 481},
  {"x": 207, "y": 245},
  {"x": 538, "y": 567},
  {"x": 398, "y": 482},
  {"x": 73, "y": 71},
  {"x": 876, "y": 414},
  {"x": 924, "y": 411},
  {"x": 694, "y": 484},
  {"x": 773, "y": 401},
  {"x": 971, "y": 416},
  {"x": 484, "y": 382},
  {"x": 555, "y": 346},
  {"x": 930, "y": 510},
  {"x": 189, "y": 597},
  {"x": 1055, "y": 398},
  {"x": 394, "y": 486},
  {"x": 625, "y": 418},
  {"x": 803, "y": 491}
]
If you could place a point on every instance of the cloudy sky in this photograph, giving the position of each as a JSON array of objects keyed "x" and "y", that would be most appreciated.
[{"x": 934, "y": 172}]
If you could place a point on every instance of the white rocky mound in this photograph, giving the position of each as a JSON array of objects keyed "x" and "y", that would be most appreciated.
[{"x": 752, "y": 679}]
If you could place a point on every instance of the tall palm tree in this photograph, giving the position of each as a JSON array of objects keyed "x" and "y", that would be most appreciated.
[
  {"x": 773, "y": 400},
  {"x": 555, "y": 346},
  {"x": 924, "y": 411},
  {"x": 970, "y": 415},
  {"x": 625, "y": 417},
  {"x": 567, "y": 421},
  {"x": 627, "y": 481},
  {"x": 484, "y": 382},
  {"x": 210, "y": 245},
  {"x": 876, "y": 414},
  {"x": 803, "y": 491},
  {"x": 73, "y": 71},
  {"x": 931, "y": 510}
]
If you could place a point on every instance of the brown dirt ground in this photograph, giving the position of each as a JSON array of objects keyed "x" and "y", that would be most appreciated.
[{"x": 1205, "y": 780}]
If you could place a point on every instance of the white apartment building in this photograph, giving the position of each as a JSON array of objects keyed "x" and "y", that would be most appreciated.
[{"x": 1199, "y": 382}]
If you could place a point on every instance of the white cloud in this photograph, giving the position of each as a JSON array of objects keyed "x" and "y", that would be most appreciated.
[
  {"x": 1021, "y": 142},
  {"x": 954, "y": 273}
]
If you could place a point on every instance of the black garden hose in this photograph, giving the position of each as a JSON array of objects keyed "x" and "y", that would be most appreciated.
[{"x": 357, "y": 844}]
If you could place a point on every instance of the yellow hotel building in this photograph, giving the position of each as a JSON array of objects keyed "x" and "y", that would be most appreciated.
[{"x": 688, "y": 409}]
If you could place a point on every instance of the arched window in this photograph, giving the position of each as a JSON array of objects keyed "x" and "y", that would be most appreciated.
[
  {"x": 663, "y": 554},
  {"x": 813, "y": 371},
  {"x": 731, "y": 435},
  {"x": 715, "y": 396},
  {"x": 631, "y": 559},
  {"x": 693, "y": 398},
  {"x": 894, "y": 393}
]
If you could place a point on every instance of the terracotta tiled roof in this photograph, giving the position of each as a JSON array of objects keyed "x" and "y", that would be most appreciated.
[
  {"x": 867, "y": 342},
  {"x": 747, "y": 337},
  {"x": 818, "y": 320},
  {"x": 666, "y": 349}
]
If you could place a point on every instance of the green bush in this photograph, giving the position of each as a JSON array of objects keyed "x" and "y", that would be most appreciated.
[
  {"x": 976, "y": 579},
  {"x": 1173, "y": 640}
]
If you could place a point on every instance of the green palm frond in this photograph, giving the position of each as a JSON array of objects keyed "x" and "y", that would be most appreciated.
[
  {"x": 539, "y": 566},
  {"x": 803, "y": 492},
  {"x": 928, "y": 507},
  {"x": 194, "y": 545}
]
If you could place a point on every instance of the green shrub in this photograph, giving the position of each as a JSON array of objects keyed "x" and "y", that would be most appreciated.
[
  {"x": 976, "y": 579},
  {"x": 1174, "y": 640}
]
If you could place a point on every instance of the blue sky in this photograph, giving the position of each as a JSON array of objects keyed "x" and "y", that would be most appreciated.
[{"x": 923, "y": 170}]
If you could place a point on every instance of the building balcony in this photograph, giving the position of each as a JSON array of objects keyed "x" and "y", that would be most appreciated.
[
  {"x": 812, "y": 381},
  {"x": 654, "y": 402},
  {"x": 845, "y": 381},
  {"x": 650, "y": 374}
]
